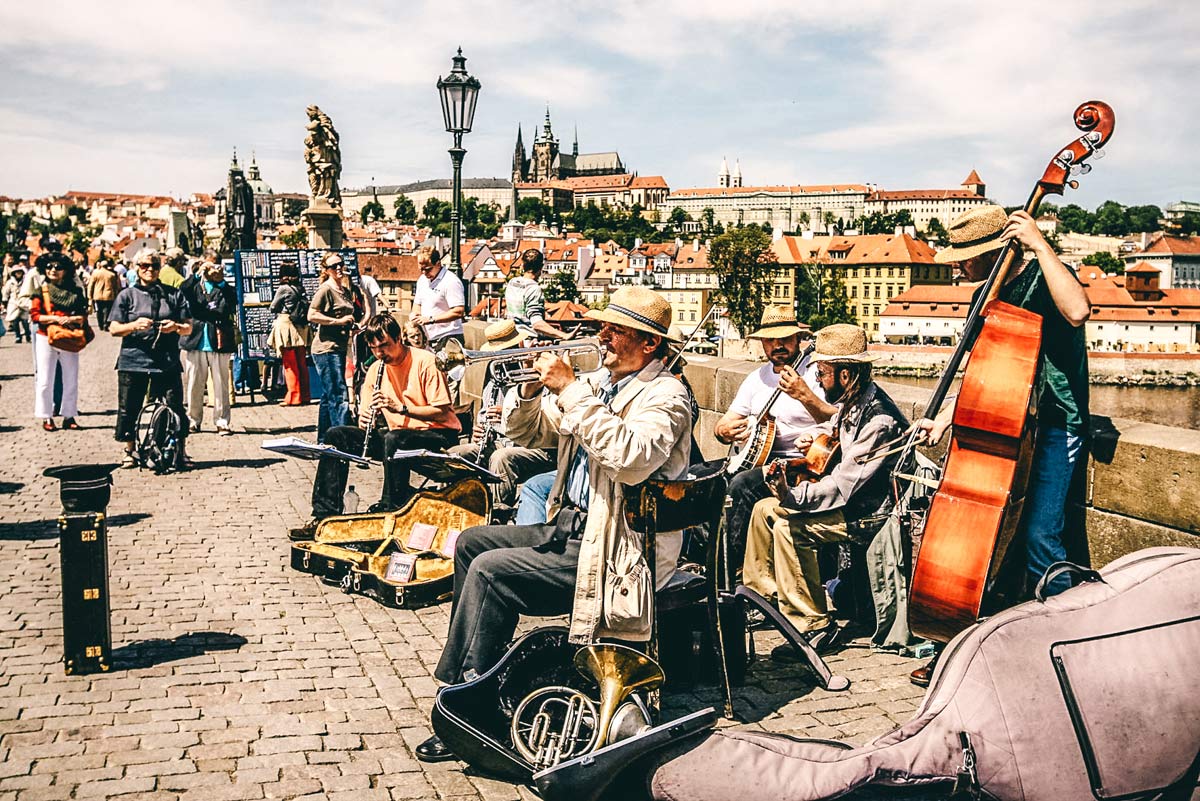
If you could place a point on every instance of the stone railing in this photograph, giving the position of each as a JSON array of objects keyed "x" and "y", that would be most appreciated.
[{"x": 1141, "y": 479}]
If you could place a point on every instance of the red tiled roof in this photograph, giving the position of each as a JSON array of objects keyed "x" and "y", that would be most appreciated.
[
  {"x": 1177, "y": 245},
  {"x": 598, "y": 182},
  {"x": 747, "y": 190},
  {"x": 925, "y": 194},
  {"x": 649, "y": 182},
  {"x": 1143, "y": 267},
  {"x": 973, "y": 178},
  {"x": 388, "y": 267}
]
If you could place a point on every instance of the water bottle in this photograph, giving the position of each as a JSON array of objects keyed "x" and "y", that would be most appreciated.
[{"x": 350, "y": 501}]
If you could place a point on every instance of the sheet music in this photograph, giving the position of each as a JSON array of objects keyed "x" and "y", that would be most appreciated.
[{"x": 294, "y": 446}]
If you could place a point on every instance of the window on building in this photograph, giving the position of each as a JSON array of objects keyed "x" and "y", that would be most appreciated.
[
  {"x": 877, "y": 290},
  {"x": 854, "y": 291},
  {"x": 693, "y": 314}
]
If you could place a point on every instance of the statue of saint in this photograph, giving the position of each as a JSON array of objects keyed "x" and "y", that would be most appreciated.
[{"x": 323, "y": 158}]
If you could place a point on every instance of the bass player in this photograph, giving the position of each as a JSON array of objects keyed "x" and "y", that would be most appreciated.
[{"x": 800, "y": 406}]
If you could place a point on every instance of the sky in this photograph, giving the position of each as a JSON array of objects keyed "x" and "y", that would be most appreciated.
[{"x": 153, "y": 97}]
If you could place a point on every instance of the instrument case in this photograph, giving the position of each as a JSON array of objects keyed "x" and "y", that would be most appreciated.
[
  {"x": 1086, "y": 694},
  {"x": 355, "y": 551},
  {"x": 473, "y": 719}
]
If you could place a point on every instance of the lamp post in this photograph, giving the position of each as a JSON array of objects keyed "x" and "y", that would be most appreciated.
[
  {"x": 239, "y": 223},
  {"x": 459, "y": 92}
]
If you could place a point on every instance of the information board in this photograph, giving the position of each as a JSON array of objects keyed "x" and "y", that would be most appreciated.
[{"x": 256, "y": 276}]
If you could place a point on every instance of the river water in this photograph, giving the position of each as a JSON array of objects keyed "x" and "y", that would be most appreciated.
[{"x": 1166, "y": 406}]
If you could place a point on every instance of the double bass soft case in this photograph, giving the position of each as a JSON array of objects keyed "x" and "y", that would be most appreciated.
[
  {"x": 1088, "y": 694},
  {"x": 404, "y": 558}
]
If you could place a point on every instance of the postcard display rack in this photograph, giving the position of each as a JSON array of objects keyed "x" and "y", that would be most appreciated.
[{"x": 256, "y": 276}]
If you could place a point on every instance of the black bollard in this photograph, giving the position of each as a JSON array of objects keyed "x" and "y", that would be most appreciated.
[{"x": 84, "y": 490}]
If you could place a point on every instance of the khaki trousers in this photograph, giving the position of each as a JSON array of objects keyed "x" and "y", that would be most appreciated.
[
  {"x": 781, "y": 559},
  {"x": 198, "y": 365}
]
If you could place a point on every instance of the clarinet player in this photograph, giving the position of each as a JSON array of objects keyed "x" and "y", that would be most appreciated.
[{"x": 410, "y": 408}]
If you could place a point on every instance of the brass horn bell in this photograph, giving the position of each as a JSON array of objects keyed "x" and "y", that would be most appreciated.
[{"x": 620, "y": 671}]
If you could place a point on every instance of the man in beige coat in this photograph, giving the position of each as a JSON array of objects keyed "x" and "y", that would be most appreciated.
[{"x": 621, "y": 428}]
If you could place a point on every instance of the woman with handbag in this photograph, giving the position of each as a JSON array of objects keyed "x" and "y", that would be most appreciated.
[
  {"x": 289, "y": 334},
  {"x": 59, "y": 311}
]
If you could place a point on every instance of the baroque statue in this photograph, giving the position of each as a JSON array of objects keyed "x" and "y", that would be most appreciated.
[{"x": 323, "y": 158}]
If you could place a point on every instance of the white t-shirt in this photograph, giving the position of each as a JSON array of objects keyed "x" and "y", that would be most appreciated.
[
  {"x": 791, "y": 417},
  {"x": 371, "y": 290},
  {"x": 437, "y": 297}
]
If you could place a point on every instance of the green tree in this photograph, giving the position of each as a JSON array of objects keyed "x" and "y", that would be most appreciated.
[
  {"x": 742, "y": 258},
  {"x": 406, "y": 210},
  {"x": 1188, "y": 223},
  {"x": 60, "y": 225},
  {"x": 561, "y": 286},
  {"x": 1143, "y": 219},
  {"x": 1075, "y": 218},
  {"x": 935, "y": 231},
  {"x": 436, "y": 216},
  {"x": 532, "y": 209},
  {"x": 293, "y": 207},
  {"x": 77, "y": 212},
  {"x": 802, "y": 220},
  {"x": 371, "y": 211},
  {"x": 678, "y": 217},
  {"x": 1106, "y": 262},
  {"x": 295, "y": 239},
  {"x": 708, "y": 216},
  {"x": 821, "y": 297},
  {"x": 1110, "y": 219}
]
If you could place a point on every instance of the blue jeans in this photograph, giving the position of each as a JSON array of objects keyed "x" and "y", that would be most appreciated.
[
  {"x": 535, "y": 494},
  {"x": 1050, "y": 475},
  {"x": 334, "y": 410}
]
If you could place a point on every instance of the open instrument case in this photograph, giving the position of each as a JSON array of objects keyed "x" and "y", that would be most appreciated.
[{"x": 404, "y": 558}]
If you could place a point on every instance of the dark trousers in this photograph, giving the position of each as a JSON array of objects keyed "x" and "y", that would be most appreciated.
[
  {"x": 332, "y": 474},
  {"x": 501, "y": 573},
  {"x": 747, "y": 488},
  {"x": 131, "y": 396},
  {"x": 103, "y": 307}
]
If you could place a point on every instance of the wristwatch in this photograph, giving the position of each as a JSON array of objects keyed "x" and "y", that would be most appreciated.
[{"x": 404, "y": 410}]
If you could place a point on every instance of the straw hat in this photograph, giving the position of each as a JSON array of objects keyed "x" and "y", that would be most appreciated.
[
  {"x": 842, "y": 342},
  {"x": 638, "y": 308},
  {"x": 972, "y": 233},
  {"x": 778, "y": 322},
  {"x": 501, "y": 335}
]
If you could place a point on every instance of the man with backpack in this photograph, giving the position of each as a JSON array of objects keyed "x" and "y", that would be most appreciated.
[{"x": 149, "y": 317}]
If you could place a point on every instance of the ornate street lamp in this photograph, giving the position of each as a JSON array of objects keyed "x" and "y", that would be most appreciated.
[{"x": 459, "y": 92}]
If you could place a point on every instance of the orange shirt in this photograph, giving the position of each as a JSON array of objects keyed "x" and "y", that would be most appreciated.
[{"x": 415, "y": 381}]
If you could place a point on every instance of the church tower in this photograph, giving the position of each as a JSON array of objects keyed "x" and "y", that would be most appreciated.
[
  {"x": 723, "y": 175},
  {"x": 575, "y": 147},
  {"x": 545, "y": 153},
  {"x": 975, "y": 184},
  {"x": 519, "y": 162},
  {"x": 737, "y": 173}
]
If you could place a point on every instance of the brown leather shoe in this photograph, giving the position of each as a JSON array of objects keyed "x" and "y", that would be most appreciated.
[{"x": 922, "y": 675}]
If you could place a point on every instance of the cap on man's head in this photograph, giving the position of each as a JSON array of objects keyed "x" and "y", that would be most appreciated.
[{"x": 973, "y": 233}]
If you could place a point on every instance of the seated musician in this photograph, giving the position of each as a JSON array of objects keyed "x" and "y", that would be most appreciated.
[
  {"x": 630, "y": 423},
  {"x": 413, "y": 411},
  {"x": 786, "y": 530},
  {"x": 1048, "y": 287},
  {"x": 511, "y": 462},
  {"x": 799, "y": 407}
]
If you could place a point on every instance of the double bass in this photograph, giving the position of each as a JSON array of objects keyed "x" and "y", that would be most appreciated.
[{"x": 976, "y": 510}]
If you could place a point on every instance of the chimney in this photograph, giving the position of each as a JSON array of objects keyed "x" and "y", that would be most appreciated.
[
  {"x": 696, "y": 244},
  {"x": 637, "y": 242},
  {"x": 678, "y": 243}
]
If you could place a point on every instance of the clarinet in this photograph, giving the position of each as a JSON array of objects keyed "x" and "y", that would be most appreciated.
[{"x": 373, "y": 413}]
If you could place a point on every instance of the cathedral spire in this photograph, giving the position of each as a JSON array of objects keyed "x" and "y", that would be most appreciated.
[
  {"x": 234, "y": 164},
  {"x": 547, "y": 134}
]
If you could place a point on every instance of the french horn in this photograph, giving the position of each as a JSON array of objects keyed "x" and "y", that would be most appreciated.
[{"x": 553, "y": 724}]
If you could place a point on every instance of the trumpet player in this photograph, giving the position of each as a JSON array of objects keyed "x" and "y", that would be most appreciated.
[
  {"x": 409, "y": 409},
  {"x": 489, "y": 447},
  {"x": 630, "y": 423}
]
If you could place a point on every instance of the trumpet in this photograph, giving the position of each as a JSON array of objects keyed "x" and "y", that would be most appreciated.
[{"x": 512, "y": 366}]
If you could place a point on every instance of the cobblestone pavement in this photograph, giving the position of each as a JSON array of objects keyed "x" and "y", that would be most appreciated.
[{"x": 236, "y": 677}]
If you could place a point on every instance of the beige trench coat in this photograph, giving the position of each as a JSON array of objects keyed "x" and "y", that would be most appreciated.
[{"x": 647, "y": 433}]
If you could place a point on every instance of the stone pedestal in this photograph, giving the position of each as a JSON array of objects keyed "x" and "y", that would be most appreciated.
[{"x": 324, "y": 224}]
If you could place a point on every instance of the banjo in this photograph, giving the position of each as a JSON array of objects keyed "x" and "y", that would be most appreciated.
[{"x": 757, "y": 447}]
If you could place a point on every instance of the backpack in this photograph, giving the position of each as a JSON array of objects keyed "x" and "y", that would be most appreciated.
[{"x": 159, "y": 430}]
